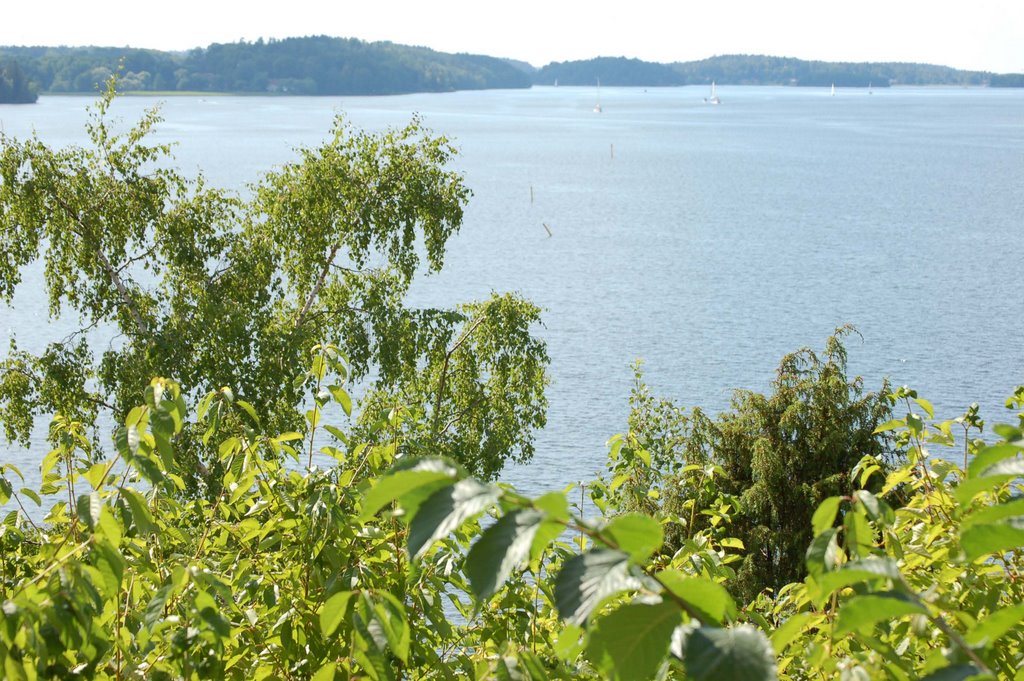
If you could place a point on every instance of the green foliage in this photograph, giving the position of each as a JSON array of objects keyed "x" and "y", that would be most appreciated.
[
  {"x": 15, "y": 87},
  {"x": 382, "y": 566},
  {"x": 219, "y": 291},
  {"x": 766, "y": 465}
]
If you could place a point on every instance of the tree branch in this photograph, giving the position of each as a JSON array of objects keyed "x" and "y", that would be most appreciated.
[
  {"x": 115, "y": 278},
  {"x": 444, "y": 373},
  {"x": 311, "y": 298}
]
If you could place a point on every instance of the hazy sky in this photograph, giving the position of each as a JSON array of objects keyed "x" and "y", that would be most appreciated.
[{"x": 980, "y": 34}]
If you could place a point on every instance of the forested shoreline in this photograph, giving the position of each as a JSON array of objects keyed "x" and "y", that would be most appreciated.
[{"x": 322, "y": 65}]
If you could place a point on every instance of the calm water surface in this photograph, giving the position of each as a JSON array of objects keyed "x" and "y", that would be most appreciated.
[{"x": 706, "y": 240}]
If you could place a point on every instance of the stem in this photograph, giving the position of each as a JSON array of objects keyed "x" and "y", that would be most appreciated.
[
  {"x": 315, "y": 293},
  {"x": 444, "y": 373}
]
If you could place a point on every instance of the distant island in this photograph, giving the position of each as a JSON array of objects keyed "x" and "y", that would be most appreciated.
[{"x": 322, "y": 65}]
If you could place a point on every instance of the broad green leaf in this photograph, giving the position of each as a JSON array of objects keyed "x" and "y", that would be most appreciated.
[
  {"x": 861, "y": 613},
  {"x": 140, "y": 511},
  {"x": 789, "y": 630},
  {"x": 587, "y": 579},
  {"x": 979, "y": 540},
  {"x": 88, "y": 507},
  {"x": 988, "y": 630},
  {"x": 877, "y": 510},
  {"x": 333, "y": 612},
  {"x": 342, "y": 397},
  {"x": 636, "y": 534},
  {"x": 5, "y": 490},
  {"x": 631, "y": 642},
  {"x": 995, "y": 513},
  {"x": 860, "y": 536},
  {"x": 31, "y": 494},
  {"x": 94, "y": 476},
  {"x": 503, "y": 547},
  {"x": 741, "y": 653},
  {"x": 389, "y": 615},
  {"x": 248, "y": 409},
  {"x": 870, "y": 569},
  {"x": 927, "y": 406},
  {"x": 959, "y": 672},
  {"x": 569, "y": 644},
  {"x": 554, "y": 504},
  {"x": 422, "y": 475},
  {"x": 823, "y": 552},
  {"x": 825, "y": 515},
  {"x": 1005, "y": 468},
  {"x": 989, "y": 456},
  {"x": 325, "y": 673},
  {"x": 890, "y": 425},
  {"x": 446, "y": 510},
  {"x": 709, "y": 598}
]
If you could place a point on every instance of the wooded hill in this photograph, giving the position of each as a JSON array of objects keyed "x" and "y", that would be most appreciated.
[
  {"x": 318, "y": 65},
  {"x": 321, "y": 65},
  {"x": 763, "y": 70}
]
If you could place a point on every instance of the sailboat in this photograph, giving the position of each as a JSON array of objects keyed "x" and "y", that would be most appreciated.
[
  {"x": 713, "y": 98},
  {"x": 597, "y": 107},
  {"x": 833, "y": 89}
]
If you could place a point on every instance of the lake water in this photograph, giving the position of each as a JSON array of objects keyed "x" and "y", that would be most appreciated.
[{"x": 707, "y": 240}]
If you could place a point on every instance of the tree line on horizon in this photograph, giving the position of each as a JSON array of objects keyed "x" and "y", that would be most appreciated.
[{"x": 322, "y": 65}]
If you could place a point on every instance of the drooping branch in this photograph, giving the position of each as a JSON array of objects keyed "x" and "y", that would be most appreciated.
[
  {"x": 444, "y": 373},
  {"x": 111, "y": 271}
]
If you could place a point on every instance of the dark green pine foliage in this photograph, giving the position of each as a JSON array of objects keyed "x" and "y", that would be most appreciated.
[
  {"x": 786, "y": 452},
  {"x": 771, "y": 459}
]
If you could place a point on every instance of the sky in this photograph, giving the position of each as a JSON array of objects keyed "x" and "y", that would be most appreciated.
[{"x": 983, "y": 35}]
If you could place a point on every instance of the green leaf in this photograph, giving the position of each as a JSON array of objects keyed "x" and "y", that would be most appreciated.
[
  {"x": 789, "y": 630},
  {"x": 740, "y": 653},
  {"x": 877, "y": 510},
  {"x": 709, "y": 598},
  {"x": 587, "y": 579},
  {"x": 959, "y": 672},
  {"x": 88, "y": 507},
  {"x": 995, "y": 513},
  {"x": 94, "y": 476},
  {"x": 823, "y": 552},
  {"x": 825, "y": 515},
  {"x": 325, "y": 673},
  {"x": 248, "y": 409},
  {"x": 890, "y": 425},
  {"x": 31, "y": 494},
  {"x": 554, "y": 504},
  {"x": 389, "y": 615},
  {"x": 927, "y": 406},
  {"x": 631, "y": 642},
  {"x": 861, "y": 613},
  {"x": 5, "y": 490},
  {"x": 140, "y": 511},
  {"x": 989, "y": 456},
  {"x": 988, "y": 630},
  {"x": 446, "y": 510},
  {"x": 870, "y": 569},
  {"x": 502, "y": 548},
  {"x": 422, "y": 475},
  {"x": 333, "y": 612},
  {"x": 636, "y": 534},
  {"x": 342, "y": 397},
  {"x": 980, "y": 540}
]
